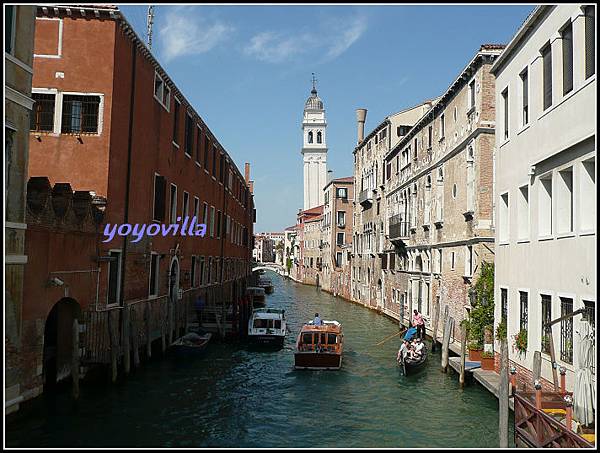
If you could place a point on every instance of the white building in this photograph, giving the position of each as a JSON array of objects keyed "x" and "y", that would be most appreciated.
[
  {"x": 545, "y": 183},
  {"x": 314, "y": 150}
]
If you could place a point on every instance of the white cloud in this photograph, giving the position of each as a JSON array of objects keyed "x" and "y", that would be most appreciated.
[
  {"x": 330, "y": 38},
  {"x": 185, "y": 33}
]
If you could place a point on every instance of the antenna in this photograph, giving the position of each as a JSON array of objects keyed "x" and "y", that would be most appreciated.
[
  {"x": 314, "y": 82},
  {"x": 149, "y": 22}
]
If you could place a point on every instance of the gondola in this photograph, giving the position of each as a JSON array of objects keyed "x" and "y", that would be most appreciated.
[{"x": 412, "y": 366}]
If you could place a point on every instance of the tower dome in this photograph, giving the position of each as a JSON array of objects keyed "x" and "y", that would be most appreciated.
[{"x": 313, "y": 102}]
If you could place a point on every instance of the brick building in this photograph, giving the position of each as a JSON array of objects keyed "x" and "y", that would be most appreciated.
[
  {"x": 337, "y": 235},
  {"x": 439, "y": 188},
  {"x": 123, "y": 131}
]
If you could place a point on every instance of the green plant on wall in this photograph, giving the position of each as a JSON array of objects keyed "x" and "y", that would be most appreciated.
[
  {"x": 520, "y": 342},
  {"x": 482, "y": 313},
  {"x": 501, "y": 330}
]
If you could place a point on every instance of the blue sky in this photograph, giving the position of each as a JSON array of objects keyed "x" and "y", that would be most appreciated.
[{"x": 247, "y": 72}]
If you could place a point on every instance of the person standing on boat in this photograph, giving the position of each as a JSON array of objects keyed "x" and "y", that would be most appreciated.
[
  {"x": 419, "y": 323},
  {"x": 403, "y": 351},
  {"x": 317, "y": 321}
]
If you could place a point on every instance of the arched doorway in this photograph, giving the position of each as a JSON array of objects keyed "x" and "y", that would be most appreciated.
[{"x": 58, "y": 342}]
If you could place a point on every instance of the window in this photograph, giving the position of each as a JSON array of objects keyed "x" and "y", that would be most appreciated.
[
  {"x": 469, "y": 261},
  {"x": 452, "y": 260},
  {"x": 590, "y": 313},
  {"x": 505, "y": 106},
  {"x": 587, "y": 194},
  {"x": 546, "y": 318},
  {"x": 523, "y": 213},
  {"x": 205, "y": 214},
  {"x": 214, "y": 160},
  {"x": 189, "y": 135},
  {"x": 429, "y": 137},
  {"x": 310, "y": 137},
  {"x": 545, "y": 206},
  {"x": 42, "y": 112},
  {"x": 198, "y": 143},
  {"x": 162, "y": 93},
  {"x": 114, "y": 277},
  {"x": 206, "y": 148},
  {"x": 173, "y": 203},
  {"x": 9, "y": 28},
  {"x": 567, "y": 55},
  {"x": 564, "y": 201},
  {"x": 218, "y": 224},
  {"x": 160, "y": 185},
  {"x": 338, "y": 259},
  {"x": 154, "y": 274},
  {"x": 524, "y": 310},
  {"x": 176, "y": 123},
  {"x": 525, "y": 96},
  {"x": 341, "y": 218},
  {"x": 202, "y": 272},
  {"x": 590, "y": 40},
  {"x": 193, "y": 272},
  {"x": 212, "y": 221},
  {"x": 319, "y": 137},
  {"x": 80, "y": 114},
  {"x": 547, "y": 75},
  {"x": 186, "y": 205},
  {"x": 197, "y": 209},
  {"x": 342, "y": 192},
  {"x": 415, "y": 143},
  {"x": 503, "y": 234},
  {"x": 566, "y": 330},
  {"x": 221, "y": 168},
  {"x": 442, "y": 126},
  {"x": 340, "y": 239},
  {"x": 472, "y": 95}
]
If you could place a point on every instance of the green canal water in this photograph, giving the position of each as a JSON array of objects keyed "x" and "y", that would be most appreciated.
[{"x": 235, "y": 397}]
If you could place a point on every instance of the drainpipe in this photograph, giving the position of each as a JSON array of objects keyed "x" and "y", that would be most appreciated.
[{"x": 128, "y": 178}]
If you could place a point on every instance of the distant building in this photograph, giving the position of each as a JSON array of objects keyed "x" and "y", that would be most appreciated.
[
  {"x": 263, "y": 251},
  {"x": 545, "y": 188},
  {"x": 278, "y": 239},
  {"x": 311, "y": 251},
  {"x": 337, "y": 235}
]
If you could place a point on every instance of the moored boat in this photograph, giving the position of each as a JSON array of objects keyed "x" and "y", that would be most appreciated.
[
  {"x": 319, "y": 347},
  {"x": 267, "y": 326},
  {"x": 257, "y": 294},
  {"x": 191, "y": 344},
  {"x": 266, "y": 284}
]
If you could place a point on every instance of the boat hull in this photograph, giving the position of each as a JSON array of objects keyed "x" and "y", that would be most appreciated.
[
  {"x": 267, "y": 340},
  {"x": 317, "y": 361}
]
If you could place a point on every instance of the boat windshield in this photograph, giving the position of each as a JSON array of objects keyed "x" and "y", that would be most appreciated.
[
  {"x": 318, "y": 341},
  {"x": 267, "y": 323}
]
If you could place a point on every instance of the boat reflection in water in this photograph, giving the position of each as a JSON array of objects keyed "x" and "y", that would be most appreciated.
[{"x": 319, "y": 347}]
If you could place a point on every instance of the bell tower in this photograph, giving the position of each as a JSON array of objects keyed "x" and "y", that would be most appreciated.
[{"x": 314, "y": 149}]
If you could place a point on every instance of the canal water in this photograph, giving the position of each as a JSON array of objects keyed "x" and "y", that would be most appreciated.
[{"x": 235, "y": 397}]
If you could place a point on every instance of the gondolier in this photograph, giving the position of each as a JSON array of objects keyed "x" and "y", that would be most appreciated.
[{"x": 419, "y": 323}]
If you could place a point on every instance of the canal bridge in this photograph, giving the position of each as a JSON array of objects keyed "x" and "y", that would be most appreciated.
[{"x": 269, "y": 267}]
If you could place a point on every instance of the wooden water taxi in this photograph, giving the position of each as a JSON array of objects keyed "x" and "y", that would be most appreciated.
[
  {"x": 267, "y": 326},
  {"x": 319, "y": 347}
]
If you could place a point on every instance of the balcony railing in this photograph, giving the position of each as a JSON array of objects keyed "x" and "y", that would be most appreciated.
[
  {"x": 398, "y": 227},
  {"x": 366, "y": 197}
]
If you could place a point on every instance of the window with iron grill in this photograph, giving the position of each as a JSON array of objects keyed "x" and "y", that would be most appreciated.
[
  {"x": 80, "y": 114},
  {"x": 42, "y": 113},
  {"x": 504, "y": 302},
  {"x": 546, "y": 318},
  {"x": 566, "y": 330},
  {"x": 523, "y": 317}
]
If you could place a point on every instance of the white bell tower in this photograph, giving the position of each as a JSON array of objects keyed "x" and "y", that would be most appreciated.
[{"x": 314, "y": 149}]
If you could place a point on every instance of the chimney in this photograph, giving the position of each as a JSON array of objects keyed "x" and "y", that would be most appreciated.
[
  {"x": 361, "y": 115},
  {"x": 247, "y": 172}
]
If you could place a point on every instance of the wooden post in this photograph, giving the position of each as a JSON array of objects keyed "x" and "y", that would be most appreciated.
[
  {"x": 135, "y": 338},
  {"x": 75, "y": 359},
  {"x": 569, "y": 420},
  {"x": 503, "y": 395},
  {"x": 148, "y": 330},
  {"x": 538, "y": 395},
  {"x": 114, "y": 343},
  {"x": 553, "y": 358},
  {"x": 126, "y": 348},
  {"x": 163, "y": 330},
  {"x": 537, "y": 366},
  {"x": 563, "y": 379},
  {"x": 446, "y": 343},
  {"x": 463, "y": 350},
  {"x": 436, "y": 320}
]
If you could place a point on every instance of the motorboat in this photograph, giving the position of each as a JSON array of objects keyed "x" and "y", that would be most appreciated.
[{"x": 319, "y": 347}]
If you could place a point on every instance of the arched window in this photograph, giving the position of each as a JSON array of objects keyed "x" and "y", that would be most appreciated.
[
  {"x": 319, "y": 139},
  {"x": 310, "y": 137}
]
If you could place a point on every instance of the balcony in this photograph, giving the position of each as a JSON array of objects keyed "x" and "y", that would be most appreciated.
[
  {"x": 365, "y": 198},
  {"x": 398, "y": 228}
]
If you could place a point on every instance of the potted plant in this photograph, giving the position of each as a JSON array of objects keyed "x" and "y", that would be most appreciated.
[
  {"x": 520, "y": 342},
  {"x": 475, "y": 350},
  {"x": 481, "y": 316},
  {"x": 487, "y": 361}
]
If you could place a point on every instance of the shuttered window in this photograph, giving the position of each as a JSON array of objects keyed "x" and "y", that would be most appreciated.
[
  {"x": 567, "y": 54},
  {"x": 525, "y": 85},
  {"x": 160, "y": 184},
  {"x": 505, "y": 102},
  {"x": 590, "y": 41},
  {"x": 547, "y": 82}
]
